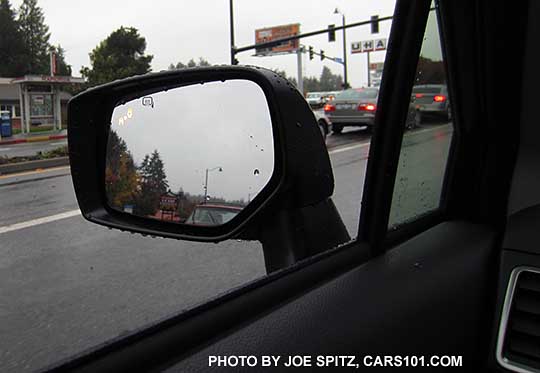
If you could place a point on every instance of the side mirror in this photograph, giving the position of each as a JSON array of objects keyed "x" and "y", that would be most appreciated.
[{"x": 195, "y": 154}]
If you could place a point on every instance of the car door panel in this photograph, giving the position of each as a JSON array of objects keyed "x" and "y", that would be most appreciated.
[{"x": 400, "y": 303}]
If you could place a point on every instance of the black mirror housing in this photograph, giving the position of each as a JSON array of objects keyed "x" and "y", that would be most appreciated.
[{"x": 302, "y": 173}]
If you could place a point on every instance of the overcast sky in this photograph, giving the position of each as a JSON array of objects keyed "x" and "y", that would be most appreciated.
[
  {"x": 219, "y": 124},
  {"x": 180, "y": 30}
]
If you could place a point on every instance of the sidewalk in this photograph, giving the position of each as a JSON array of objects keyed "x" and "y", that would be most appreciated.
[{"x": 34, "y": 137}]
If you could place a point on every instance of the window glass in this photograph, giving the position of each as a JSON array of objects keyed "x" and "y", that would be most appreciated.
[{"x": 424, "y": 152}]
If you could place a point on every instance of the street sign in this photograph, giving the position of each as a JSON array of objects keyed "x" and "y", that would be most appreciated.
[
  {"x": 274, "y": 33},
  {"x": 368, "y": 45}
]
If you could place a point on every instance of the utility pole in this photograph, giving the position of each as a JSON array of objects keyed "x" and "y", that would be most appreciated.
[
  {"x": 300, "y": 77},
  {"x": 368, "y": 70}
]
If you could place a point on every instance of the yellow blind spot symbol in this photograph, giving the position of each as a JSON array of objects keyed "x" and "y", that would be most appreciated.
[{"x": 130, "y": 113}]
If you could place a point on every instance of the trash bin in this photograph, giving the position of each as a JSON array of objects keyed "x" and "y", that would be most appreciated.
[{"x": 5, "y": 124}]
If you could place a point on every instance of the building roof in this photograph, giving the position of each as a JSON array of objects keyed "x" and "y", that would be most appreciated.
[{"x": 9, "y": 90}]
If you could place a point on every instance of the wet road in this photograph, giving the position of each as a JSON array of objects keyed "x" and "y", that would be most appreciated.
[
  {"x": 68, "y": 285},
  {"x": 30, "y": 148}
]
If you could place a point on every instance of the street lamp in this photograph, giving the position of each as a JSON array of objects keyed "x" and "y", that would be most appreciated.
[
  {"x": 345, "y": 82},
  {"x": 219, "y": 169}
]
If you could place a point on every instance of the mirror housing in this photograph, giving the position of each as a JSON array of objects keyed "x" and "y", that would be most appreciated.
[{"x": 302, "y": 174}]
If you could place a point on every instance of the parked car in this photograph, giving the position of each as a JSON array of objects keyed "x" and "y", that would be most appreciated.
[
  {"x": 352, "y": 107},
  {"x": 432, "y": 100},
  {"x": 209, "y": 214}
]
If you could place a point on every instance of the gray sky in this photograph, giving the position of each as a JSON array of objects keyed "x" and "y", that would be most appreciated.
[
  {"x": 180, "y": 30},
  {"x": 197, "y": 127}
]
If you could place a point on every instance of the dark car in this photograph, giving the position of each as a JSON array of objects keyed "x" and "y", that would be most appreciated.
[
  {"x": 353, "y": 107},
  {"x": 432, "y": 100}
]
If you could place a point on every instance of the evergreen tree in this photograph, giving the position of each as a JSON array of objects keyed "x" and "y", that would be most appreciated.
[
  {"x": 153, "y": 184},
  {"x": 11, "y": 42},
  {"x": 119, "y": 56},
  {"x": 191, "y": 63},
  {"x": 35, "y": 35}
]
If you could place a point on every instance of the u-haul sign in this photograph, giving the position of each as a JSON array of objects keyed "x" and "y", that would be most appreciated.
[{"x": 368, "y": 45}]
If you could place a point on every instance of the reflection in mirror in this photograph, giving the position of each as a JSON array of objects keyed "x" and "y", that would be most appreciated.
[{"x": 196, "y": 155}]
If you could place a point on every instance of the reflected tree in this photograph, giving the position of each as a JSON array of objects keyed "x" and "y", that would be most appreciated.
[
  {"x": 152, "y": 184},
  {"x": 121, "y": 177}
]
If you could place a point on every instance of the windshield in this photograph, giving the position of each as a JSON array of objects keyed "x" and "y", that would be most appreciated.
[
  {"x": 357, "y": 94},
  {"x": 428, "y": 90}
]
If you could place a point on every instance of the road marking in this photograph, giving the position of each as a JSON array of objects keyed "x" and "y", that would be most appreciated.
[
  {"x": 37, "y": 171},
  {"x": 362, "y": 145},
  {"x": 347, "y": 148},
  {"x": 5, "y": 149},
  {"x": 58, "y": 143},
  {"x": 39, "y": 221}
]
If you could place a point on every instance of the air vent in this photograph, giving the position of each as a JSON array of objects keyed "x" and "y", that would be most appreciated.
[{"x": 518, "y": 346}]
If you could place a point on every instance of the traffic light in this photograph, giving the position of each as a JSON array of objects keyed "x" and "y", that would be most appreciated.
[
  {"x": 331, "y": 33},
  {"x": 322, "y": 55},
  {"x": 374, "y": 24},
  {"x": 310, "y": 52}
]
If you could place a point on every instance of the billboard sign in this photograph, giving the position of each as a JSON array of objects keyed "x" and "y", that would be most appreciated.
[
  {"x": 274, "y": 33},
  {"x": 368, "y": 45}
]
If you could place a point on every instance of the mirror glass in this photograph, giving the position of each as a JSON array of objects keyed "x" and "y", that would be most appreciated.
[{"x": 196, "y": 154}]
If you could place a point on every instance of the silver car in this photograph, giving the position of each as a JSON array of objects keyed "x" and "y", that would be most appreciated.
[
  {"x": 431, "y": 100},
  {"x": 353, "y": 107}
]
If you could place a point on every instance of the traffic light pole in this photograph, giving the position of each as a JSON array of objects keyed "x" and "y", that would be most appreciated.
[
  {"x": 345, "y": 81},
  {"x": 231, "y": 21}
]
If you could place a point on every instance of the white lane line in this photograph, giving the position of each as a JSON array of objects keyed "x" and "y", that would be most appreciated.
[
  {"x": 58, "y": 143},
  {"x": 357, "y": 146},
  {"x": 5, "y": 149},
  {"x": 39, "y": 221},
  {"x": 347, "y": 148}
]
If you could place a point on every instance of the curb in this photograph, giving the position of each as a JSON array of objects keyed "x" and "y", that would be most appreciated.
[
  {"x": 11, "y": 168},
  {"x": 33, "y": 139}
]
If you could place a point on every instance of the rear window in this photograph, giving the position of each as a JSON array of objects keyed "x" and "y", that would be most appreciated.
[
  {"x": 357, "y": 94},
  {"x": 427, "y": 89}
]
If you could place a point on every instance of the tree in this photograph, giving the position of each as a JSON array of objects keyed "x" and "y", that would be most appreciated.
[
  {"x": 62, "y": 68},
  {"x": 12, "y": 54},
  {"x": 329, "y": 81},
  {"x": 35, "y": 35},
  {"x": 191, "y": 63},
  {"x": 121, "y": 177},
  {"x": 429, "y": 72},
  {"x": 152, "y": 184},
  {"x": 120, "y": 55}
]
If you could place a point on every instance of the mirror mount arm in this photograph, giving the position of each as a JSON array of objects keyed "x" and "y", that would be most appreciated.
[{"x": 289, "y": 236}]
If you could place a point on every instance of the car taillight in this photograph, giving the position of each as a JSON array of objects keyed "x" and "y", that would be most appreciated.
[
  {"x": 418, "y": 95},
  {"x": 367, "y": 107},
  {"x": 329, "y": 107},
  {"x": 439, "y": 98}
]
